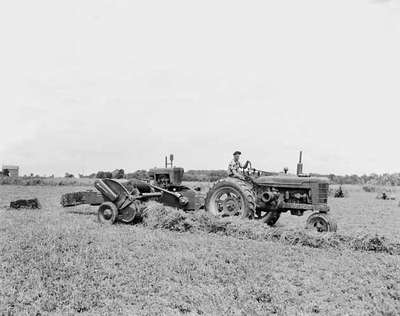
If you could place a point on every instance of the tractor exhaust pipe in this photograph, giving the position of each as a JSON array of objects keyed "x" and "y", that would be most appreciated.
[{"x": 300, "y": 164}]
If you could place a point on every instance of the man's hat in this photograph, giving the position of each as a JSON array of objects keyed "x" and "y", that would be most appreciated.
[{"x": 237, "y": 153}]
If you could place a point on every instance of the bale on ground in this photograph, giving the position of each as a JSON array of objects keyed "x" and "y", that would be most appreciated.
[{"x": 30, "y": 203}]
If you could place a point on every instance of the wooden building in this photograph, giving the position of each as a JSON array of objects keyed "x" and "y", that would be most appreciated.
[{"x": 13, "y": 171}]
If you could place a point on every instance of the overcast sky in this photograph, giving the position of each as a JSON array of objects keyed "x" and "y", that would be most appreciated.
[{"x": 98, "y": 85}]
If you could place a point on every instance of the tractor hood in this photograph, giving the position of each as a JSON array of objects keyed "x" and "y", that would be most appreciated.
[{"x": 289, "y": 180}]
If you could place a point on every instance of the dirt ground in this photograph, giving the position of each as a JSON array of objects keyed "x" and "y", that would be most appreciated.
[{"x": 61, "y": 261}]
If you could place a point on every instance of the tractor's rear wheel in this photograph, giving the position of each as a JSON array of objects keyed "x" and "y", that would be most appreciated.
[
  {"x": 321, "y": 222},
  {"x": 107, "y": 213},
  {"x": 231, "y": 197}
]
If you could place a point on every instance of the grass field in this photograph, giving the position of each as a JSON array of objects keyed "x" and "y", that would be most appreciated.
[{"x": 61, "y": 261}]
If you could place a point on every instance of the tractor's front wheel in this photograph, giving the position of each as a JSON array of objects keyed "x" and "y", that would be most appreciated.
[
  {"x": 231, "y": 197},
  {"x": 321, "y": 222}
]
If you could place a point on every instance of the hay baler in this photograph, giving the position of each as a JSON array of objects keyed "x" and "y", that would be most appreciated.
[{"x": 121, "y": 200}]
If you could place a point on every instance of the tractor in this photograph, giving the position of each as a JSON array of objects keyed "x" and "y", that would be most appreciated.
[
  {"x": 121, "y": 200},
  {"x": 265, "y": 196},
  {"x": 169, "y": 180}
]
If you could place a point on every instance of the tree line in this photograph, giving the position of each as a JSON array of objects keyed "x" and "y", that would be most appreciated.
[{"x": 387, "y": 179}]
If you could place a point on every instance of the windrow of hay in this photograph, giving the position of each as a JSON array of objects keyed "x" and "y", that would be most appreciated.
[{"x": 158, "y": 216}]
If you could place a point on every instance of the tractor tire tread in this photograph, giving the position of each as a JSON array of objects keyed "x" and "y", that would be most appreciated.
[{"x": 246, "y": 190}]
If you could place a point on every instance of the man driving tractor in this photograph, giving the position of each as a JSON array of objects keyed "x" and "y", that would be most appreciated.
[{"x": 235, "y": 165}]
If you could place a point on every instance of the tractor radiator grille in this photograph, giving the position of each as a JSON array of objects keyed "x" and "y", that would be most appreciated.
[{"x": 323, "y": 192}]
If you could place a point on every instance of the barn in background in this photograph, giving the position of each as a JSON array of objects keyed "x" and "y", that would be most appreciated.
[{"x": 13, "y": 171}]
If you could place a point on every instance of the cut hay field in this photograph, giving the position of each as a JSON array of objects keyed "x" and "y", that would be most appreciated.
[{"x": 61, "y": 261}]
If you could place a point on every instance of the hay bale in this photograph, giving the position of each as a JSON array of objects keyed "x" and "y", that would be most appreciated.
[
  {"x": 30, "y": 203},
  {"x": 83, "y": 197}
]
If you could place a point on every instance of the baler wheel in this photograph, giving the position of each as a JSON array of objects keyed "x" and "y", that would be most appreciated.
[
  {"x": 107, "y": 213},
  {"x": 128, "y": 214},
  {"x": 321, "y": 222}
]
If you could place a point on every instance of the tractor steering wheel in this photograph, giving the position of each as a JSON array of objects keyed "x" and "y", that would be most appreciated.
[
  {"x": 249, "y": 165},
  {"x": 248, "y": 170}
]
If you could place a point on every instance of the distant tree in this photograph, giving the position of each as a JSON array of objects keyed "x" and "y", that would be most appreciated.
[
  {"x": 6, "y": 172},
  {"x": 138, "y": 174},
  {"x": 332, "y": 178},
  {"x": 118, "y": 174},
  {"x": 104, "y": 175},
  {"x": 204, "y": 175},
  {"x": 69, "y": 175}
]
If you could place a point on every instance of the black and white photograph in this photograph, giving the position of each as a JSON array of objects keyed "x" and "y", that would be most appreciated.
[{"x": 185, "y": 157}]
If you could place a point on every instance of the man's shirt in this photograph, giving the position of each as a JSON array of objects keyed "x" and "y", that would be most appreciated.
[{"x": 234, "y": 167}]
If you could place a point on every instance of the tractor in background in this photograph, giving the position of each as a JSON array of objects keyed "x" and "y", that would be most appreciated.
[{"x": 123, "y": 199}]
